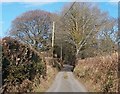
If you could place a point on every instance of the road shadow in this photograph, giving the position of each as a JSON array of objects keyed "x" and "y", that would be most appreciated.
[{"x": 67, "y": 68}]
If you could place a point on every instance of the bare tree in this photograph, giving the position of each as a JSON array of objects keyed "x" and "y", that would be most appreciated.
[
  {"x": 33, "y": 28},
  {"x": 83, "y": 23},
  {"x": 108, "y": 38}
]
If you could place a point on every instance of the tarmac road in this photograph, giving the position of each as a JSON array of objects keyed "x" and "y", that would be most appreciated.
[{"x": 66, "y": 82}]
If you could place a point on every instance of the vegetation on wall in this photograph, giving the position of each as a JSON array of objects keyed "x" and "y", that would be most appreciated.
[
  {"x": 99, "y": 74},
  {"x": 20, "y": 66}
]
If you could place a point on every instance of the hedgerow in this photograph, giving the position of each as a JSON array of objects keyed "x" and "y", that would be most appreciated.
[{"x": 20, "y": 65}]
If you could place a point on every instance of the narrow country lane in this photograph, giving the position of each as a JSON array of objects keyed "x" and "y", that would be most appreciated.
[{"x": 66, "y": 82}]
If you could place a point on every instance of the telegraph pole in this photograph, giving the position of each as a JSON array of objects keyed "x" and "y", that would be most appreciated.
[
  {"x": 61, "y": 51},
  {"x": 53, "y": 38}
]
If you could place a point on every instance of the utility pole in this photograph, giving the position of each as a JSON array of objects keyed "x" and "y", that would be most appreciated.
[
  {"x": 61, "y": 51},
  {"x": 53, "y": 37}
]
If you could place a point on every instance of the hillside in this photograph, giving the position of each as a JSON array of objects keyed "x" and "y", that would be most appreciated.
[{"x": 99, "y": 74}]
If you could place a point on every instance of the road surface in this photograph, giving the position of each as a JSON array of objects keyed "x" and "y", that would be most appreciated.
[{"x": 66, "y": 82}]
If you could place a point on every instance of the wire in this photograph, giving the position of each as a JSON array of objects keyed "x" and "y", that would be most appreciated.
[
  {"x": 66, "y": 12},
  {"x": 69, "y": 9}
]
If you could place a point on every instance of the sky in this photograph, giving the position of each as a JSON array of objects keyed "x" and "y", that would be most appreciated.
[{"x": 10, "y": 9}]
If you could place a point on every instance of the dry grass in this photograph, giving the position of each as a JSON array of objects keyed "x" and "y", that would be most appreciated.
[{"x": 99, "y": 74}]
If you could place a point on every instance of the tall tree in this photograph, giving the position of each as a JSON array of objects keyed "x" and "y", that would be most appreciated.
[
  {"x": 83, "y": 22},
  {"x": 33, "y": 28}
]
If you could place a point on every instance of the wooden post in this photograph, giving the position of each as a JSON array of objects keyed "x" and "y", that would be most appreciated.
[
  {"x": 61, "y": 52},
  {"x": 53, "y": 37},
  {"x": 53, "y": 34}
]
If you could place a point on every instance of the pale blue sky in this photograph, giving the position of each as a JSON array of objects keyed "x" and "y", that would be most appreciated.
[{"x": 11, "y": 10}]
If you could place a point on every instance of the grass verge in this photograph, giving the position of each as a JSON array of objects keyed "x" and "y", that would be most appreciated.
[{"x": 46, "y": 83}]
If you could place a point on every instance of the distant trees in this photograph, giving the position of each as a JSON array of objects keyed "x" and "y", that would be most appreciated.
[
  {"x": 33, "y": 28},
  {"x": 107, "y": 42}
]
